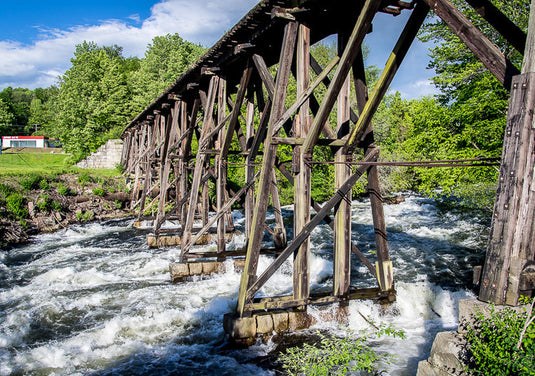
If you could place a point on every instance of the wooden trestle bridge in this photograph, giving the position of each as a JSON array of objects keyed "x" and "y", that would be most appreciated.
[{"x": 233, "y": 102}]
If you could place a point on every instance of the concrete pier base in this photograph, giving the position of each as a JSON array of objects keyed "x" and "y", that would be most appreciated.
[
  {"x": 246, "y": 330},
  {"x": 168, "y": 240},
  {"x": 183, "y": 271}
]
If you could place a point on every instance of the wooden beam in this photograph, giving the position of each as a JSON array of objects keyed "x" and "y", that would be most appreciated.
[
  {"x": 201, "y": 158},
  {"x": 302, "y": 186},
  {"x": 259, "y": 216},
  {"x": 507, "y": 28},
  {"x": 394, "y": 61},
  {"x": 307, "y": 229},
  {"x": 342, "y": 211},
  {"x": 483, "y": 49},
  {"x": 236, "y": 111},
  {"x": 353, "y": 47}
]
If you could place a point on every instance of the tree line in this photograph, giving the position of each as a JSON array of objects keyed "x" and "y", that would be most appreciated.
[
  {"x": 103, "y": 90},
  {"x": 98, "y": 95}
]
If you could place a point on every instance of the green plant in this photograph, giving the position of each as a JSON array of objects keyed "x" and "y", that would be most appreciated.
[
  {"x": 43, "y": 184},
  {"x": 43, "y": 203},
  {"x": 98, "y": 191},
  {"x": 84, "y": 179},
  {"x": 118, "y": 204},
  {"x": 56, "y": 206},
  {"x": 6, "y": 189},
  {"x": 88, "y": 215},
  {"x": 31, "y": 181},
  {"x": 502, "y": 343},
  {"x": 63, "y": 189},
  {"x": 15, "y": 206},
  {"x": 337, "y": 355}
]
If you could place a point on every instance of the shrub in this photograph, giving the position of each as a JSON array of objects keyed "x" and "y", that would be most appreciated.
[
  {"x": 56, "y": 206},
  {"x": 85, "y": 216},
  {"x": 339, "y": 356},
  {"x": 6, "y": 190},
  {"x": 43, "y": 203},
  {"x": 31, "y": 181},
  {"x": 16, "y": 207},
  {"x": 43, "y": 184},
  {"x": 493, "y": 343},
  {"x": 84, "y": 179},
  {"x": 98, "y": 192},
  {"x": 63, "y": 189}
]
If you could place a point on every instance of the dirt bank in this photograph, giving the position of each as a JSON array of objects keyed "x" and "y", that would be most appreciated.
[{"x": 49, "y": 210}]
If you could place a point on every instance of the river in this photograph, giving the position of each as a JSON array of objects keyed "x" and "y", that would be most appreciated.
[{"x": 94, "y": 299}]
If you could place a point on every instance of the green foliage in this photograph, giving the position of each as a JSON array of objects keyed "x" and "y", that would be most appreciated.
[
  {"x": 93, "y": 101},
  {"x": 43, "y": 184},
  {"x": 31, "y": 181},
  {"x": 493, "y": 343},
  {"x": 55, "y": 205},
  {"x": 43, "y": 203},
  {"x": 98, "y": 191},
  {"x": 338, "y": 355},
  {"x": 84, "y": 179},
  {"x": 6, "y": 189},
  {"x": 16, "y": 206},
  {"x": 166, "y": 58},
  {"x": 85, "y": 216},
  {"x": 63, "y": 189}
]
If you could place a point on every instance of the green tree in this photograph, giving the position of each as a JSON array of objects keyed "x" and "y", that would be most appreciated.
[
  {"x": 467, "y": 118},
  {"x": 93, "y": 100},
  {"x": 6, "y": 119},
  {"x": 166, "y": 58}
]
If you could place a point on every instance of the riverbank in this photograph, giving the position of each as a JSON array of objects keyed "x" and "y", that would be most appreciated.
[{"x": 35, "y": 204}]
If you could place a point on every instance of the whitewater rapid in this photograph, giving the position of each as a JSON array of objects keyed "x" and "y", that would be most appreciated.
[{"x": 94, "y": 299}]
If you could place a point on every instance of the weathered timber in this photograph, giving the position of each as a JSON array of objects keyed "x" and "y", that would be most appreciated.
[
  {"x": 259, "y": 215},
  {"x": 490, "y": 55}
]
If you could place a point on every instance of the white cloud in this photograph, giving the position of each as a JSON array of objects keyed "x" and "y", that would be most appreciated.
[{"x": 40, "y": 63}]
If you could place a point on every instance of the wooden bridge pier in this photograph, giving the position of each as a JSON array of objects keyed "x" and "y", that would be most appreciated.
[{"x": 236, "y": 107}]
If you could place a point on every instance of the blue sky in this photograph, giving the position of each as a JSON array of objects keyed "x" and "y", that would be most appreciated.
[{"x": 37, "y": 38}]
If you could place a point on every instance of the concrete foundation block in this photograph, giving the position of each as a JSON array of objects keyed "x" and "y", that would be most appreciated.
[
  {"x": 239, "y": 265},
  {"x": 178, "y": 271},
  {"x": 211, "y": 267},
  {"x": 264, "y": 323},
  {"x": 469, "y": 308},
  {"x": 195, "y": 268},
  {"x": 446, "y": 351},
  {"x": 298, "y": 320},
  {"x": 239, "y": 328},
  {"x": 280, "y": 321},
  {"x": 426, "y": 369}
]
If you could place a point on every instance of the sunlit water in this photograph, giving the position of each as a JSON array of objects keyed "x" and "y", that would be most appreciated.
[{"x": 94, "y": 299}]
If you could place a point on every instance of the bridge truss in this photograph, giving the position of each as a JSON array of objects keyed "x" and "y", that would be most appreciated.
[{"x": 234, "y": 104}]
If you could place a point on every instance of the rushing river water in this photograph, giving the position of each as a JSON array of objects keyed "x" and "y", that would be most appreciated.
[{"x": 94, "y": 299}]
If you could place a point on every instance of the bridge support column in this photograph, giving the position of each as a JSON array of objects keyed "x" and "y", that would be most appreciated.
[{"x": 509, "y": 269}]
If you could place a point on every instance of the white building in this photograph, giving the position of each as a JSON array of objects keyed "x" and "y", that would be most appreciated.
[{"x": 24, "y": 142}]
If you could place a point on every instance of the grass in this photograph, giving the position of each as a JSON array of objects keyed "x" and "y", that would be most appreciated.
[
  {"x": 15, "y": 164},
  {"x": 24, "y": 163}
]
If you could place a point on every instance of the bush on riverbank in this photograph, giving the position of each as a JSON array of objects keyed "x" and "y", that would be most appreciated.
[{"x": 503, "y": 343}]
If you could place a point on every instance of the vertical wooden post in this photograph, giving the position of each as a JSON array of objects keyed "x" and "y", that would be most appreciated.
[
  {"x": 302, "y": 185},
  {"x": 151, "y": 137},
  {"x": 221, "y": 166},
  {"x": 249, "y": 168},
  {"x": 342, "y": 211},
  {"x": 259, "y": 216},
  {"x": 199, "y": 162},
  {"x": 165, "y": 162},
  {"x": 512, "y": 236}
]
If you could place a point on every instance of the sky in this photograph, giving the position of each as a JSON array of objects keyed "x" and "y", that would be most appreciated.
[{"x": 37, "y": 38}]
